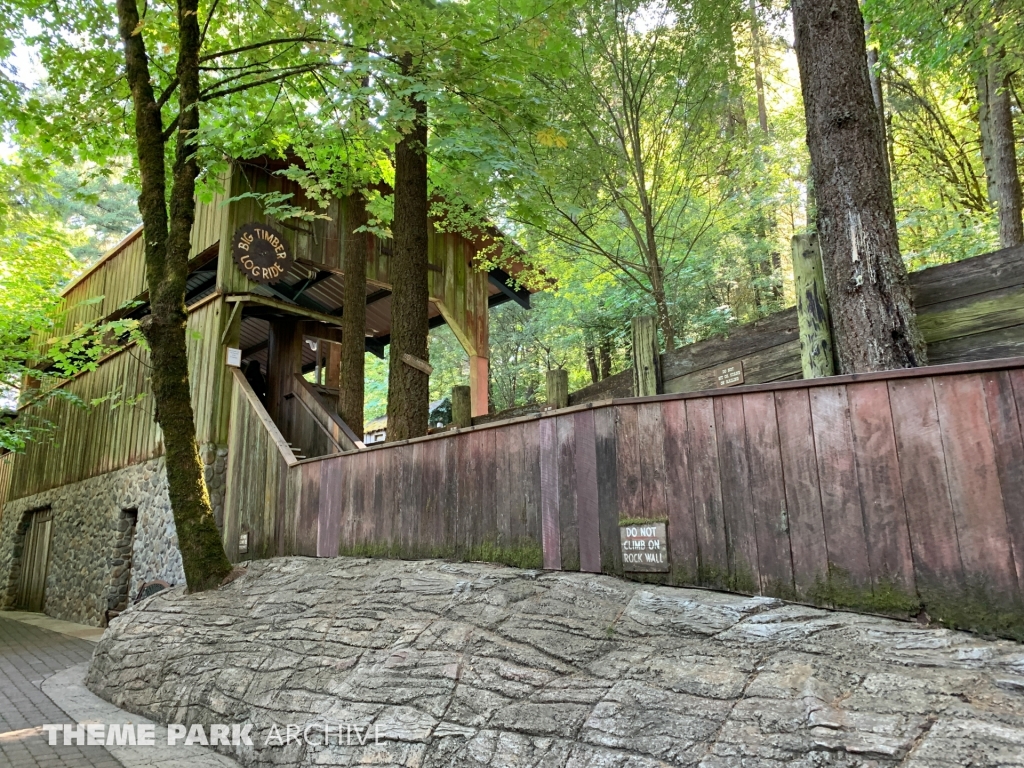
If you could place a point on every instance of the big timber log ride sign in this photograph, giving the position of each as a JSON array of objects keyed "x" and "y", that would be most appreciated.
[{"x": 261, "y": 253}]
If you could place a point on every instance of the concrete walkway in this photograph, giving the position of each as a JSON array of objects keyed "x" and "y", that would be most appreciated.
[{"x": 42, "y": 665}]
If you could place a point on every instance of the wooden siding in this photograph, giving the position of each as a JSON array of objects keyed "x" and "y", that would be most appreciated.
[
  {"x": 969, "y": 310},
  {"x": 258, "y": 461},
  {"x": 882, "y": 492},
  {"x": 89, "y": 441}
]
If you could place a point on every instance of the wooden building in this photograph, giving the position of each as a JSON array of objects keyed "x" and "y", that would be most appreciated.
[{"x": 86, "y": 519}]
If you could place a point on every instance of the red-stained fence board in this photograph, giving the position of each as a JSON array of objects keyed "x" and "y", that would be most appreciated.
[
  {"x": 702, "y": 450},
  {"x": 974, "y": 483},
  {"x": 329, "y": 522},
  {"x": 682, "y": 526},
  {"x": 768, "y": 494},
  {"x": 736, "y": 504},
  {"x": 651, "y": 434},
  {"x": 803, "y": 496},
  {"x": 627, "y": 455},
  {"x": 933, "y": 533},
  {"x": 568, "y": 526},
  {"x": 550, "y": 531},
  {"x": 586, "y": 493},
  {"x": 878, "y": 472},
  {"x": 840, "y": 497},
  {"x": 1004, "y": 419}
]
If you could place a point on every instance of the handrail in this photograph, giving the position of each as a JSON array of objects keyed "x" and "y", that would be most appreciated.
[
  {"x": 264, "y": 417},
  {"x": 335, "y": 426}
]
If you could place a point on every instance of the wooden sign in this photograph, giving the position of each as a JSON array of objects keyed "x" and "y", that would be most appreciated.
[
  {"x": 261, "y": 253},
  {"x": 729, "y": 375},
  {"x": 644, "y": 547}
]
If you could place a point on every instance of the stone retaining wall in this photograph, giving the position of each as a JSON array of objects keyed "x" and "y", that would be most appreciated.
[
  {"x": 469, "y": 665},
  {"x": 91, "y": 566}
]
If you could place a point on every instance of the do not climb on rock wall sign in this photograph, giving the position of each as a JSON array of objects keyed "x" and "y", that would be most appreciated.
[{"x": 644, "y": 547}]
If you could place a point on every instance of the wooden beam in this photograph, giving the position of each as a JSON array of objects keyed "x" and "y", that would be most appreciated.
[
  {"x": 816, "y": 358},
  {"x": 479, "y": 385},
  {"x": 462, "y": 407},
  {"x": 558, "y": 388},
  {"x": 646, "y": 360},
  {"x": 284, "y": 306}
]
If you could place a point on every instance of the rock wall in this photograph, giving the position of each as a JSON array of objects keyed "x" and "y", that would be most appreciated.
[
  {"x": 99, "y": 555},
  {"x": 471, "y": 665}
]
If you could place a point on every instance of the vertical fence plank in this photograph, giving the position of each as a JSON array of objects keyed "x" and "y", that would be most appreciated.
[
  {"x": 702, "y": 451},
  {"x": 974, "y": 485},
  {"x": 1005, "y": 415},
  {"x": 329, "y": 523},
  {"x": 651, "y": 438},
  {"x": 568, "y": 525},
  {"x": 878, "y": 474},
  {"x": 933, "y": 533},
  {"x": 682, "y": 525},
  {"x": 627, "y": 457},
  {"x": 550, "y": 540},
  {"x": 768, "y": 495},
  {"x": 744, "y": 573},
  {"x": 840, "y": 498},
  {"x": 607, "y": 490},
  {"x": 587, "y": 514}
]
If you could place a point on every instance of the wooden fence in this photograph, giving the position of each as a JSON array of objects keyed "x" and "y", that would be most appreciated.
[
  {"x": 969, "y": 310},
  {"x": 890, "y": 492}
]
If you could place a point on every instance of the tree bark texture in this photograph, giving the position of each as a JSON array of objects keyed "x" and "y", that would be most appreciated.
[
  {"x": 353, "y": 318},
  {"x": 168, "y": 241},
  {"x": 874, "y": 325},
  {"x": 987, "y": 151},
  {"x": 879, "y": 98},
  {"x": 1006, "y": 182},
  {"x": 408, "y": 387},
  {"x": 755, "y": 35}
]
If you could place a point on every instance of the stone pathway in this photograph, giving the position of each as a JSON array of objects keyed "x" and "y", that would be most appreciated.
[
  {"x": 468, "y": 665},
  {"x": 28, "y": 655},
  {"x": 43, "y": 662}
]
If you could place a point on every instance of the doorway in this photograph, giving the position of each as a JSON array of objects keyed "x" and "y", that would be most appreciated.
[{"x": 35, "y": 561}]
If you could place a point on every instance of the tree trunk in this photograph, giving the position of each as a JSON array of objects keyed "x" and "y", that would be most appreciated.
[
  {"x": 595, "y": 375},
  {"x": 167, "y": 249},
  {"x": 1004, "y": 157},
  {"x": 874, "y": 324},
  {"x": 605, "y": 357},
  {"x": 409, "y": 387},
  {"x": 878, "y": 98},
  {"x": 755, "y": 34},
  {"x": 353, "y": 318},
  {"x": 987, "y": 151}
]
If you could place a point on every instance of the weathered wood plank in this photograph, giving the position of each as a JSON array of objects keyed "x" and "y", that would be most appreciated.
[
  {"x": 768, "y": 495},
  {"x": 702, "y": 450},
  {"x": 587, "y": 512},
  {"x": 759, "y": 367},
  {"x": 627, "y": 469},
  {"x": 878, "y": 473},
  {"x": 974, "y": 485},
  {"x": 653, "y": 477},
  {"x": 744, "y": 571},
  {"x": 803, "y": 496},
  {"x": 682, "y": 525},
  {"x": 989, "y": 272},
  {"x": 607, "y": 491},
  {"x": 973, "y": 314},
  {"x": 845, "y": 536},
  {"x": 550, "y": 524},
  {"x": 933, "y": 532},
  {"x": 331, "y": 502},
  {"x": 568, "y": 524},
  {"x": 1004, "y": 420}
]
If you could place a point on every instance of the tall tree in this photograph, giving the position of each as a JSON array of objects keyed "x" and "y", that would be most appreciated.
[
  {"x": 1001, "y": 142},
  {"x": 408, "y": 385},
  {"x": 353, "y": 319},
  {"x": 873, "y": 318}
]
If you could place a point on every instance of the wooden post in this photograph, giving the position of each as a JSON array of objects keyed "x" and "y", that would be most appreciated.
[
  {"x": 479, "y": 375},
  {"x": 558, "y": 388},
  {"x": 462, "y": 407},
  {"x": 816, "y": 357},
  {"x": 646, "y": 360}
]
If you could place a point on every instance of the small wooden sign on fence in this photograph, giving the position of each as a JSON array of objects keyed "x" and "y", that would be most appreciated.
[
  {"x": 644, "y": 547},
  {"x": 729, "y": 375}
]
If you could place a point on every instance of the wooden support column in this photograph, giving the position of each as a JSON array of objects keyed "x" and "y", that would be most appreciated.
[
  {"x": 646, "y": 360},
  {"x": 816, "y": 356},
  {"x": 333, "y": 364},
  {"x": 462, "y": 406},
  {"x": 558, "y": 388},
  {"x": 284, "y": 360},
  {"x": 478, "y": 384}
]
